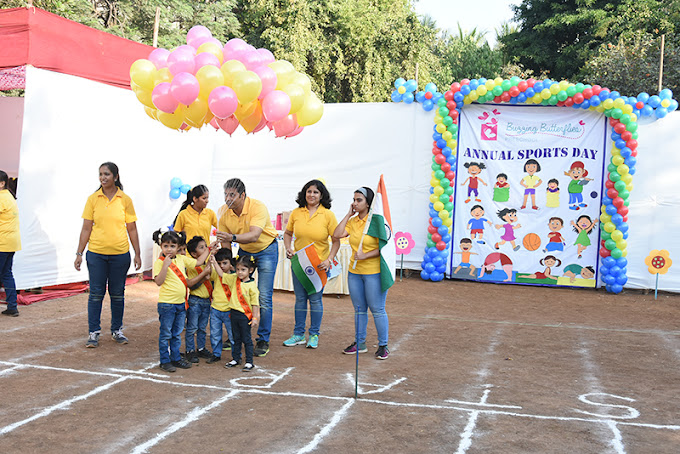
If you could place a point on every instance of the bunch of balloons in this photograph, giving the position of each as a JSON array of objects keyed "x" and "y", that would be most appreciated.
[
  {"x": 405, "y": 92},
  {"x": 177, "y": 188},
  {"x": 224, "y": 85},
  {"x": 623, "y": 113}
]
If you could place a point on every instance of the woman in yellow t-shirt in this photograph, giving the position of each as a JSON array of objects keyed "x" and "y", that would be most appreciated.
[
  {"x": 108, "y": 220},
  {"x": 364, "y": 278},
  {"x": 194, "y": 218},
  {"x": 10, "y": 242},
  {"x": 311, "y": 222}
]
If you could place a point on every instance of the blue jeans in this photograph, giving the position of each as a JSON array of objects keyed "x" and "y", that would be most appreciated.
[
  {"x": 240, "y": 326},
  {"x": 366, "y": 293},
  {"x": 315, "y": 309},
  {"x": 7, "y": 278},
  {"x": 265, "y": 263},
  {"x": 197, "y": 321},
  {"x": 103, "y": 269},
  {"x": 217, "y": 319},
  {"x": 172, "y": 317}
]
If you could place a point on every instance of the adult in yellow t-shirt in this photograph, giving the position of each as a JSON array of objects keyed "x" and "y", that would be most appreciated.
[
  {"x": 108, "y": 220},
  {"x": 364, "y": 278},
  {"x": 10, "y": 242},
  {"x": 246, "y": 221},
  {"x": 194, "y": 218},
  {"x": 311, "y": 222}
]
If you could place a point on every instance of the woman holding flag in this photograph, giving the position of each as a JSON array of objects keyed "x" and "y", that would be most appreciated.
[
  {"x": 312, "y": 223},
  {"x": 369, "y": 274}
]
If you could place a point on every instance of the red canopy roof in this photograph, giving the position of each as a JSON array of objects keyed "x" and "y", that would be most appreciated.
[{"x": 31, "y": 36}]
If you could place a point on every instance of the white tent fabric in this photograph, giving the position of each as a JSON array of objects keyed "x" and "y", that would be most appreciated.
[{"x": 72, "y": 125}]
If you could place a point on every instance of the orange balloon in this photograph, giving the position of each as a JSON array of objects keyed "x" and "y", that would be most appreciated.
[
  {"x": 246, "y": 111},
  {"x": 250, "y": 123}
]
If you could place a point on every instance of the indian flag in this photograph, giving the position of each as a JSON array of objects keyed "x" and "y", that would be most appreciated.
[
  {"x": 304, "y": 264},
  {"x": 380, "y": 227}
]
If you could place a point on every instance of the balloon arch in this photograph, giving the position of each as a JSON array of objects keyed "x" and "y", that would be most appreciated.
[{"x": 623, "y": 114}]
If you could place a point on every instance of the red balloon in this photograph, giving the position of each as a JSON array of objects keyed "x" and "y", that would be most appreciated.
[
  {"x": 522, "y": 85},
  {"x": 505, "y": 97},
  {"x": 634, "y": 153},
  {"x": 578, "y": 98},
  {"x": 560, "y": 103},
  {"x": 609, "y": 184},
  {"x": 612, "y": 193},
  {"x": 440, "y": 159},
  {"x": 441, "y": 246},
  {"x": 619, "y": 128},
  {"x": 451, "y": 105},
  {"x": 618, "y": 202},
  {"x": 639, "y": 105},
  {"x": 453, "y": 113},
  {"x": 436, "y": 151},
  {"x": 455, "y": 87},
  {"x": 626, "y": 136},
  {"x": 596, "y": 89},
  {"x": 625, "y": 217},
  {"x": 588, "y": 93},
  {"x": 514, "y": 91},
  {"x": 569, "y": 102},
  {"x": 436, "y": 237},
  {"x": 451, "y": 175},
  {"x": 428, "y": 95},
  {"x": 632, "y": 144},
  {"x": 465, "y": 82},
  {"x": 604, "y": 252},
  {"x": 497, "y": 100},
  {"x": 446, "y": 167},
  {"x": 623, "y": 211},
  {"x": 448, "y": 95},
  {"x": 613, "y": 121},
  {"x": 531, "y": 81},
  {"x": 432, "y": 229}
]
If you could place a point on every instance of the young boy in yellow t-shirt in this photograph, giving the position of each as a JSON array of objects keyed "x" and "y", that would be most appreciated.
[{"x": 219, "y": 307}]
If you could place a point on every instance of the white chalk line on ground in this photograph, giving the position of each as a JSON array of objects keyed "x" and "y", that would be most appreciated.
[
  {"x": 335, "y": 420},
  {"x": 10, "y": 370},
  {"x": 60, "y": 406},
  {"x": 192, "y": 416},
  {"x": 32, "y": 325},
  {"x": 481, "y": 411},
  {"x": 379, "y": 388}
]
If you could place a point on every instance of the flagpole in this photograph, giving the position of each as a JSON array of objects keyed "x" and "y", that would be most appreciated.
[{"x": 366, "y": 226}]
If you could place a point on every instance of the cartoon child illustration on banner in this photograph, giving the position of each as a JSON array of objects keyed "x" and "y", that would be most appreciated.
[
  {"x": 552, "y": 193},
  {"x": 583, "y": 226},
  {"x": 530, "y": 182},
  {"x": 465, "y": 247},
  {"x": 555, "y": 240},
  {"x": 476, "y": 224},
  {"x": 509, "y": 215},
  {"x": 578, "y": 174},
  {"x": 501, "y": 190},
  {"x": 474, "y": 169}
]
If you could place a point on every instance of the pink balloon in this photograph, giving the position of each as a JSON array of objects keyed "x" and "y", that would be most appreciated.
[
  {"x": 260, "y": 126},
  {"x": 184, "y": 88},
  {"x": 297, "y": 131},
  {"x": 270, "y": 125},
  {"x": 214, "y": 41},
  {"x": 252, "y": 60},
  {"x": 159, "y": 57},
  {"x": 266, "y": 56},
  {"x": 275, "y": 106},
  {"x": 268, "y": 78},
  {"x": 285, "y": 126},
  {"x": 206, "y": 59},
  {"x": 184, "y": 126},
  {"x": 187, "y": 48},
  {"x": 228, "y": 125},
  {"x": 235, "y": 44},
  {"x": 214, "y": 124},
  {"x": 181, "y": 61},
  {"x": 196, "y": 42},
  {"x": 222, "y": 102},
  {"x": 198, "y": 32},
  {"x": 162, "y": 99}
]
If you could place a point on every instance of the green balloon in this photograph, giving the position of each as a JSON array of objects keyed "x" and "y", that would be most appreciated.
[
  {"x": 436, "y": 166},
  {"x": 632, "y": 126},
  {"x": 545, "y": 102},
  {"x": 571, "y": 91},
  {"x": 506, "y": 85},
  {"x": 626, "y": 202},
  {"x": 442, "y": 102},
  {"x": 620, "y": 186},
  {"x": 431, "y": 243},
  {"x": 614, "y": 175},
  {"x": 514, "y": 80},
  {"x": 448, "y": 121},
  {"x": 553, "y": 100},
  {"x": 625, "y": 119},
  {"x": 452, "y": 128},
  {"x": 443, "y": 111},
  {"x": 444, "y": 182},
  {"x": 439, "y": 174},
  {"x": 624, "y": 194},
  {"x": 610, "y": 244},
  {"x": 604, "y": 234},
  {"x": 562, "y": 95},
  {"x": 448, "y": 206},
  {"x": 616, "y": 113},
  {"x": 444, "y": 198},
  {"x": 449, "y": 190},
  {"x": 612, "y": 168},
  {"x": 580, "y": 87},
  {"x": 635, "y": 135},
  {"x": 608, "y": 112},
  {"x": 429, "y": 236},
  {"x": 617, "y": 253}
]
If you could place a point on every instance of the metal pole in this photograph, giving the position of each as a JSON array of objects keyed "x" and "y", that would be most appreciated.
[
  {"x": 401, "y": 270},
  {"x": 656, "y": 288},
  {"x": 663, "y": 42},
  {"x": 155, "y": 26}
]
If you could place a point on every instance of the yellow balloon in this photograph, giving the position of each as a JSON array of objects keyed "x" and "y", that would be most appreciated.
[
  {"x": 563, "y": 85},
  {"x": 253, "y": 120},
  {"x": 311, "y": 112},
  {"x": 609, "y": 227},
  {"x": 482, "y": 90},
  {"x": 545, "y": 93},
  {"x": 627, "y": 109},
  {"x": 498, "y": 81},
  {"x": 489, "y": 84},
  {"x": 467, "y": 100},
  {"x": 401, "y": 90},
  {"x": 440, "y": 128},
  {"x": 619, "y": 103},
  {"x": 438, "y": 206},
  {"x": 211, "y": 48},
  {"x": 608, "y": 103},
  {"x": 452, "y": 144},
  {"x": 209, "y": 77},
  {"x": 627, "y": 178},
  {"x": 143, "y": 73},
  {"x": 438, "y": 118},
  {"x": 600, "y": 108},
  {"x": 229, "y": 69},
  {"x": 444, "y": 214},
  {"x": 446, "y": 135},
  {"x": 629, "y": 187},
  {"x": 284, "y": 72},
  {"x": 163, "y": 75},
  {"x": 434, "y": 198},
  {"x": 554, "y": 89},
  {"x": 473, "y": 96},
  {"x": 144, "y": 97},
  {"x": 208, "y": 116},
  {"x": 434, "y": 183},
  {"x": 296, "y": 95},
  {"x": 623, "y": 169},
  {"x": 195, "y": 113},
  {"x": 633, "y": 117},
  {"x": 151, "y": 112},
  {"x": 618, "y": 160},
  {"x": 624, "y": 252},
  {"x": 623, "y": 244},
  {"x": 665, "y": 103},
  {"x": 438, "y": 191},
  {"x": 604, "y": 218},
  {"x": 247, "y": 86},
  {"x": 616, "y": 151},
  {"x": 537, "y": 98},
  {"x": 617, "y": 235},
  {"x": 243, "y": 112},
  {"x": 448, "y": 222},
  {"x": 172, "y": 120}
]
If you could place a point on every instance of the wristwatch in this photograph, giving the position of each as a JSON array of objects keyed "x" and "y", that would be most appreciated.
[
  {"x": 233, "y": 238},
  {"x": 80, "y": 254}
]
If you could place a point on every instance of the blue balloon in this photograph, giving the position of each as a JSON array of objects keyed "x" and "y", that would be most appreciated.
[
  {"x": 604, "y": 92},
  {"x": 631, "y": 161},
  {"x": 436, "y": 277},
  {"x": 631, "y": 171},
  {"x": 426, "y": 259},
  {"x": 458, "y": 97},
  {"x": 175, "y": 193},
  {"x": 396, "y": 96},
  {"x": 425, "y": 275},
  {"x": 625, "y": 236},
  {"x": 420, "y": 96},
  {"x": 606, "y": 200},
  {"x": 399, "y": 82},
  {"x": 620, "y": 144},
  {"x": 609, "y": 279},
  {"x": 622, "y": 262},
  {"x": 585, "y": 104},
  {"x": 603, "y": 271},
  {"x": 614, "y": 271},
  {"x": 441, "y": 143},
  {"x": 654, "y": 101},
  {"x": 437, "y": 96},
  {"x": 538, "y": 87},
  {"x": 185, "y": 188},
  {"x": 530, "y": 92},
  {"x": 626, "y": 152},
  {"x": 460, "y": 105},
  {"x": 446, "y": 151},
  {"x": 443, "y": 230},
  {"x": 615, "y": 288},
  {"x": 441, "y": 268},
  {"x": 617, "y": 219},
  {"x": 609, "y": 261},
  {"x": 611, "y": 210},
  {"x": 407, "y": 98},
  {"x": 434, "y": 214},
  {"x": 623, "y": 227},
  {"x": 431, "y": 87},
  {"x": 666, "y": 94},
  {"x": 175, "y": 183},
  {"x": 428, "y": 105},
  {"x": 621, "y": 279},
  {"x": 436, "y": 136},
  {"x": 624, "y": 270},
  {"x": 474, "y": 83},
  {"x": 647, "y": 111},
  {"x": 643, "y": 97},
  {"x": 465, "y": 90},
  {"x": 412, "y": 85},
  {"x": 660, "y": 112},
  {"x": 482, "y": 80},
  {"x": 614, "y": 95},
  {"x": 673, "y": 106},
  {"x": 615, "y": 136},
  {"x": 437, "y": 262},
  {"x": 446, "y": 238},
  {"x": 595, "y": 101},
  {"x": 429, "y": 267},
  {"x": 437, "y": 221},
  {"x": 522, "y": 98},
  {"x": 451, "y": 160}
]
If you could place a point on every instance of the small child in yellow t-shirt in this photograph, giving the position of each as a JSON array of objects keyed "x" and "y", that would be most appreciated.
[
  {"x": 170, "y": 274},
  {"x": 244, "y": 309},
  {"x": 198, "y": 313},
  {"x": 219, "y": 306}
]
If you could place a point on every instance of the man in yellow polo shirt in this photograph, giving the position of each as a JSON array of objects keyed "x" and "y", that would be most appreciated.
[{"x": 246, "y": 221}]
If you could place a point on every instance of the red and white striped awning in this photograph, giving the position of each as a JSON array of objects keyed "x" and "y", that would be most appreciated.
[{"x": 13, "y": 78}]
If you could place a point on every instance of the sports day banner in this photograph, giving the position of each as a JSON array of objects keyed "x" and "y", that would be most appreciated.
[{"x": 528, "y": 193}]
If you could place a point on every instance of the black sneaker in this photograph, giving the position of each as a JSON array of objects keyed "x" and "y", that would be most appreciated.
[
  {"x": 262, "y": 348},
  {"x": 93, "y": 340},
  {"x": 119, "y": 337},
  {"x": 248, "y": 367},
  {"x": 226, "y": 346},
  {"x": 214, "y": 359},
  {"x": 182, "y": 364},
  {"x": 232, "y": 363},
  {"x": 204, "y": 353},
  {"x": 168, "y": 367},
  {"x": 11, "y": 312},
  {"x": 191, "y": 356},
  {"x": 383, "y": 352}
]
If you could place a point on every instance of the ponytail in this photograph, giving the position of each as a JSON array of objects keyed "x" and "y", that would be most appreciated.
[{"x": 195, "y": 192}]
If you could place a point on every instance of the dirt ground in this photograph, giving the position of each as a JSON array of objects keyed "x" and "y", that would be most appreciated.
[{"x": 474, "y": 368}]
